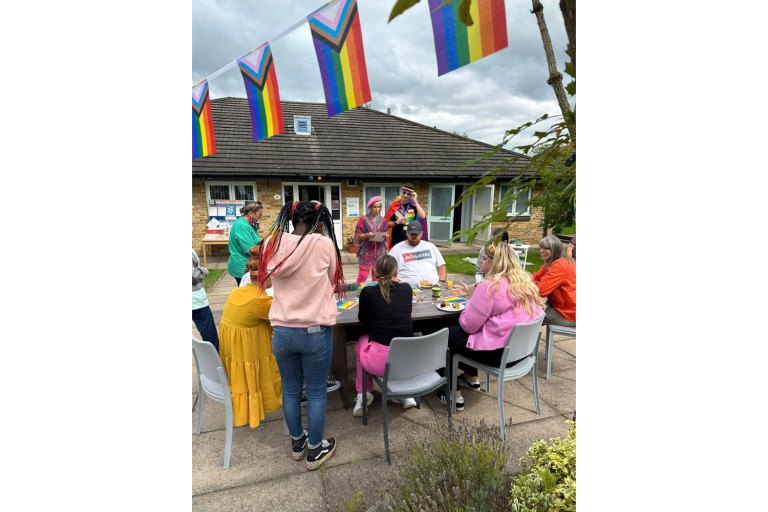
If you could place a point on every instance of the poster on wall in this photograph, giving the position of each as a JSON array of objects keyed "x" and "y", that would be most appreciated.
[
  {"x": 353, "y": 207},
  {"x": 224, "y": 210}
]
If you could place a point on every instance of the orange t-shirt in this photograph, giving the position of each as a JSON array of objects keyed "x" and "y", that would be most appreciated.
[{"x": 559, "y": 284}]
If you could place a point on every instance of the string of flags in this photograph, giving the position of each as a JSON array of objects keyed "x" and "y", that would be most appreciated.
[{"x": 338, "y": 41}]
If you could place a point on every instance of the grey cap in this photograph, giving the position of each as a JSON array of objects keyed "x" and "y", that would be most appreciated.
[{"x": 414, "y": 227}]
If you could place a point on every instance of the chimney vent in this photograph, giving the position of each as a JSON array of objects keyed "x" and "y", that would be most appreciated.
[{"x": 389, "y": 111}]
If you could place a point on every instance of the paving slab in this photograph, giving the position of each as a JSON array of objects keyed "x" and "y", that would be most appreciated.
[
  {"x": 567, "y": 345},
  {"x": 559, "y": 391},
  {"x": 520, "y": 437},
  {"x": 561, "y": 360},
  {"x": 300, "y": 493},
  {"x": 368, "y": 477}
]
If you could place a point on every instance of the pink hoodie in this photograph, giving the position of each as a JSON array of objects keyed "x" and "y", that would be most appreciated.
[{"x": 303, "y": 293}]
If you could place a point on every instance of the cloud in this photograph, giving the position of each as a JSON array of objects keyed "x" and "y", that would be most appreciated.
[{"x": 483, "y": 99}]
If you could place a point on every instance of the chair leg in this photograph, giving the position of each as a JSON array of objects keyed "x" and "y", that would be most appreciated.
[
  {"x": 500, "y": 403},
  {"x": 536, "y": 385},
  {"x": 487, "y": 381},
  {"x": 365, "y": 397},
  {"x": 454, "y": 383},
  {"x": 228, "y": 444},
  {"x": 550, "y": 339},
  {"x": 200, "y": 399},
  {"x": 384, "y": 423},
  {"x": 447, "y": 393},
  {"x": 418, "y": 402}
]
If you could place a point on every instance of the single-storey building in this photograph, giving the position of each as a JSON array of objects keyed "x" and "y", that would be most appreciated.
[{"x": 343, "y": 161}]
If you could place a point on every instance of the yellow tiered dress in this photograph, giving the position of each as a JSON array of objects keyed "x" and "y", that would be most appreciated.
[{"x": 245, "y": 347}]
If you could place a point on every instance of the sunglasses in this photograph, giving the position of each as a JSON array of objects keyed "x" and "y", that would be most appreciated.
[{"x": 407, "y": 193}]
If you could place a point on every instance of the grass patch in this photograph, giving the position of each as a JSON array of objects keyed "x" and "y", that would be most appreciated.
[
  {"x": 214, "y": 274},
  {"x": 455, "y": 264},
  {"x": 570, "y": 230}
]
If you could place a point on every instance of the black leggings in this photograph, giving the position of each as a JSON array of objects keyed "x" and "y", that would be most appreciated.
[
  {"x": 457, "y": 342},
  {"x": 237, "y": 280}
]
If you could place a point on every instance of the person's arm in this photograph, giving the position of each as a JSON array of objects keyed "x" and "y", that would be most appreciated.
[
  {"x": 261, "y": 307},
  {"x": 477, "y": 312},
  {"x": 332, "y": 266},
  {"x": 362, "y": 308},
  {"x": 419, "y": 209},
  {"x": 537, "y": 275},
  {"x": 442, "y": 273},
  {"x": 197, "y": 274},
  {"x": 553, "y": 278}
]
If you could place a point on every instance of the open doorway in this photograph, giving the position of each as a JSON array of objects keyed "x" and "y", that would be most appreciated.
[{"x": 458, "y": 210}]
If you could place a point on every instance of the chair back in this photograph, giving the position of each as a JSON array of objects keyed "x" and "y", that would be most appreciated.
[
  {"x": 522, "y": 340},
  {"x": 207, "y": 359},
  {"x": 409, "y": 357}
]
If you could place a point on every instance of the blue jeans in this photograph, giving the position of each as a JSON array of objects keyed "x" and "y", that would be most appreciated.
[
  {"x": 206, "y": 326},
  {"x": 303, "y": 355}
]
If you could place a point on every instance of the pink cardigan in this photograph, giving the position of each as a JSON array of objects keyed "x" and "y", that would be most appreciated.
[{"x": 489, "y": 321}]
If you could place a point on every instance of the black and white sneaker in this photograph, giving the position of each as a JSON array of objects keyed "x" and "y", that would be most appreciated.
[
  {"x": 459, "y": 400},
  {"x": 333, "y": 385},
  {"x": 298, "y": 446},
  {"x": 316, "y": 456},
  {"x": 463, "y": 381}
]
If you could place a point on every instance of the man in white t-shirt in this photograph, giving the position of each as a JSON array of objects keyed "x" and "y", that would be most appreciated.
[{"x": 416, "y": 260}]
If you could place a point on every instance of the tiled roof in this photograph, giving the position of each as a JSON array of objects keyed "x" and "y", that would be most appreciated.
[{"x": 355, "y": 144}]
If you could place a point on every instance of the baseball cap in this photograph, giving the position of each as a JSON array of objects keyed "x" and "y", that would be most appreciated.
[{"x": 414, "y": 227}]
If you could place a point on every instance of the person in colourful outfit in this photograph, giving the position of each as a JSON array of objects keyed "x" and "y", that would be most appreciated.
[
  {"x": 401, "y": 211},
  {"x": 505, "y": 298},
  {"x": 242, "y": 237},
  {"x": 246, "y": 350},
  {"x": 368, "y": 250},
  {"x": 557, "y": 281}
]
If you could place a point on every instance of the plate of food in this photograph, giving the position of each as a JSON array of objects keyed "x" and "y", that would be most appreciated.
[
  {"x": 427, "y": 284},
  {"x": 452, "y": 306}
]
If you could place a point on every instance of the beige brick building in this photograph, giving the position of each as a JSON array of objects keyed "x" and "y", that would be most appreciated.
[{"x": 355, "y": 155}]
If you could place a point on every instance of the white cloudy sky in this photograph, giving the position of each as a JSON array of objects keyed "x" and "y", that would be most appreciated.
[{"x": 482, "y": 99}]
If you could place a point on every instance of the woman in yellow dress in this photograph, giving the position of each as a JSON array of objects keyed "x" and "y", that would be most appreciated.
[{"x": 245, "y": 343}]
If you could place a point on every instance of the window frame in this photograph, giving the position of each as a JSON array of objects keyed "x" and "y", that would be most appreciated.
[
  {"x": 296, "y": 119},
  {"x": 231, "y": 185},
  {"x": 381, "y": 185},
  {"x": 527, "y": 211}
]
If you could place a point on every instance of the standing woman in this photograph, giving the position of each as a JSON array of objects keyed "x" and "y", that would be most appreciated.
[
  {"x": 242, "y": 237},
  {"x": 246, "y": 350},
  {"x": 370, "y": 251},
  {"x": 306, "y": 271},
  {"x": 557, "y": 280}
]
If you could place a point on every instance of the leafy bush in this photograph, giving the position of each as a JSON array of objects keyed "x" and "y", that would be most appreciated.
[
  {"x": 548, "y": 482},
  {"x": 458, "y": 467}
]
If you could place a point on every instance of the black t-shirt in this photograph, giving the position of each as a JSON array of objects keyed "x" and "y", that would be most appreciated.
[
  {"x": 398, "y": 232},
  {"x": 387, "y": 320}
]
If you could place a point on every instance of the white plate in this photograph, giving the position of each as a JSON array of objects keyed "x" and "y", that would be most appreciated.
[{"x": 448, "y": 310}]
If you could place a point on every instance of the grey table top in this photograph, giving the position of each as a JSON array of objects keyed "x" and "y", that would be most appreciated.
[{"x": 421, "y": 310}]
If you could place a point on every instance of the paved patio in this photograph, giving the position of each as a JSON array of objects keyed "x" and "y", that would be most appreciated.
[{"x": 263, "y": 476}]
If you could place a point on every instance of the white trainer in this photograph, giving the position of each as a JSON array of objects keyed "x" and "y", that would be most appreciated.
[
  {"x": 358, "y": 410},
  {"x": 408, "y": 403}
]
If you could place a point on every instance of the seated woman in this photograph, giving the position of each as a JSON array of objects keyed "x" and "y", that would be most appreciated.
[
  {"x": 387, "y": 309},
  {"x": 557, "y": 280},
  {"x": 245, "y": 336},
  {"x": 505, "y": 298},
  {"x": 504, "y": 238}
]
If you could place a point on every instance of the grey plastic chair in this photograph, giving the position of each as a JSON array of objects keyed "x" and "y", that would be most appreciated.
[
  {"x": 410, "y": 372},
  {"x": 212, "y": 381},
  {"x": 551, "y": 331},
  {"x": 523, "y": 342}
]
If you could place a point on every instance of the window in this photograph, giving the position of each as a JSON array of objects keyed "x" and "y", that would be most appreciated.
[
  {"x": 520, "y": 205},
  {"x": 388, "y": 193},
  {"x": 302, "y": 125},
  {"x": 225, "y": 198}
]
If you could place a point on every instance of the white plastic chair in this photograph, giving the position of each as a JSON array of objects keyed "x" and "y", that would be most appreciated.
[
  {"x": 212, "y": 381},
  {"x": 410, "y": 372},
  {"x": 551, "y": 331},
  {"x": 523, "y": 343}
]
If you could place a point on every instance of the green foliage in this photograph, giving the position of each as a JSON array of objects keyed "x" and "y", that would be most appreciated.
[
  {"x": 400, "y": 7},
  {"x": 455, "y": 264},
  {"x": 459, "y": 467},
  {"x": 403, "y": 5},
  {"x": 548, "y": 482},
  {"x": 214, "y": 274},
  {"x": 464, "y": 15},
  {"x": 557, "y": 197},
  {"x": 356, "y": 504}
]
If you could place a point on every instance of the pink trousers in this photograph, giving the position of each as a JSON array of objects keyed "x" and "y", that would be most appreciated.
[
  {"x": 362, "y": 275},
  {"x": 372, "y": 357}
]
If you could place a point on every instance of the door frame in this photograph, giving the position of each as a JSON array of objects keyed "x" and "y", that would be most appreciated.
[
  {"x": 338, "y": 225},
  {"x": 467, "y": 213},
  {"x": 442, "y": 219}
]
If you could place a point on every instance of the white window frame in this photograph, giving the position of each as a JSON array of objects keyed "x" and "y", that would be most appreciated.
[
  {"x": 381, "y": 185},
  {"x": 527, "y": 212},
  {"x": 296, "y": 119},
  {"x": 231, "y": 189}
]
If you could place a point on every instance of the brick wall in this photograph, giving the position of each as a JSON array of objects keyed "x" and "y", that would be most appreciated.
[{"x": 530, "y": 231}]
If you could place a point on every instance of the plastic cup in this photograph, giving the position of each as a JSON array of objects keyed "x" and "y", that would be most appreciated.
[{"x": 449, "y": 283}]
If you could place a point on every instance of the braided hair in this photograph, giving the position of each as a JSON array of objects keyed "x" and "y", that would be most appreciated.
[{"x": 305, "y": 212}]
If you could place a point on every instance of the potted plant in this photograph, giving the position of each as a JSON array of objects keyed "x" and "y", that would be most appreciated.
[{"x": 351, "y": 247}]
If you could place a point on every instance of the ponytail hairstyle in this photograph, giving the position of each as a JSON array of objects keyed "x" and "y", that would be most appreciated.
[
  {"x": 251, "y": 206},
  {"x": 310, "y": 214},
  {"x": 385, "y": 269},
  {"x": 252, "y": 265}
]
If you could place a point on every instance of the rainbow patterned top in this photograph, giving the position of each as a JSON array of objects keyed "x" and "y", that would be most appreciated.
[
  {"x": 457, "y": 44},
  {"x": 260, "y": 80},
  {"x": 339, "y": 46},
  {"x": 203, "y": 142}
]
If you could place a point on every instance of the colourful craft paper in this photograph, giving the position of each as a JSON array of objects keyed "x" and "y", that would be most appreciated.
[
  {"x": 457, "y": 44},
  {"x": 454, "y": 299},
  {"x": 339, "y": 47},
  {"x": 260, "y": 80},
  {"x": 346, "y": 304},
  {"x": 203, "y": 142}
]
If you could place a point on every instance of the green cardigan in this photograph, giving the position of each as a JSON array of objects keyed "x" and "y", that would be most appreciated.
[{"x": 241, "y": 238}]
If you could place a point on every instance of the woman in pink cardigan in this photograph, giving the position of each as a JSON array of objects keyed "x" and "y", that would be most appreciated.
[{"x": 505, "y": 298}]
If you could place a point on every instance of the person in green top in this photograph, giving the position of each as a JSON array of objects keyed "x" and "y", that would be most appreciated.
[{"x": 242, "y": 237}]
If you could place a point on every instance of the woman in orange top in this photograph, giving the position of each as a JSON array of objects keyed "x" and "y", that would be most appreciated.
[
  {"x": 557, "y": 280},
  {"x": 245, "y": 338}
]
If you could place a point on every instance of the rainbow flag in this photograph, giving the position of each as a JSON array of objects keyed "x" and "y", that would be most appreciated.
[
  {"x": 203, "y": 142},
  {"x": 457, "y": 44},
  {"x": 260, "y": 80},
  {"x": 339, "y": 46}
]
